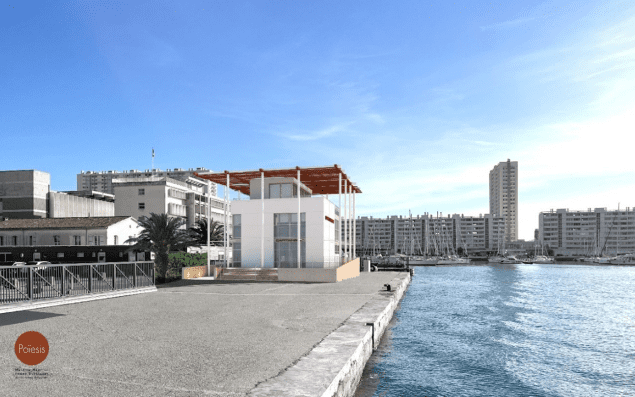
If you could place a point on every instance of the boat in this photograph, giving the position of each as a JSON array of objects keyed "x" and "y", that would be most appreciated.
[
  {"x": 422, "y": 260},
  {"x": 627, "y": 259},
  {"x": 453, "y": 260},
  {"x": 539, "y": 260}
]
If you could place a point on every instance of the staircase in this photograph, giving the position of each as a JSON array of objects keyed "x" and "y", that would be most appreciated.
[{"x": 249, "y": 274}]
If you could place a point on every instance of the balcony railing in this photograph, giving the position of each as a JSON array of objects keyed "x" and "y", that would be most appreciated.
[{"x": 37, "y": 283}]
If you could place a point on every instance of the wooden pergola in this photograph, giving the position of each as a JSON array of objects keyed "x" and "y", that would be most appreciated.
[{"x": 321, "y": 180}]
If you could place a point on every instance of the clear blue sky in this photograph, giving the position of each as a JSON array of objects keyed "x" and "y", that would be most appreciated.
[{"x": 416, "y": 100}]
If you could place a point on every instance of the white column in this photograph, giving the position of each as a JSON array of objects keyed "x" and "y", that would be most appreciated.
[
  {"x": 209, "y": 225},
  {"x": 299, "y": 221},
  {"x": 227, "y": 222},
  {"x": 262, "y": 216},
  {"x": 354, "y": 228},
  {"x": 350, "y": 223},
  {"x": 339, "y": 208},
  {"x": 345, "y": 225}
]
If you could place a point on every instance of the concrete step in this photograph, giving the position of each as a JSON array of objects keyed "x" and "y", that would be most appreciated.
[{"x": 249, "y": 274}]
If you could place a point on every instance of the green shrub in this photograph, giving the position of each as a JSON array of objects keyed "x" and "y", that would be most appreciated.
[{"x": 178, "y": 260}]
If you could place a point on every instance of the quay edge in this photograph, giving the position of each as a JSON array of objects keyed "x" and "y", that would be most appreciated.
[{"x": 333, "y": 368}]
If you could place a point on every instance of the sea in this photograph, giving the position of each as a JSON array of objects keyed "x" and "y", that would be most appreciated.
[{"x": 509, "y": 330}]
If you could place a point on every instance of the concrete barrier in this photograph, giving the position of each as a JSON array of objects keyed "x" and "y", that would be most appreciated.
[
  {"x": 319, "y": 275},
  {"x": 334, "y": 367}
]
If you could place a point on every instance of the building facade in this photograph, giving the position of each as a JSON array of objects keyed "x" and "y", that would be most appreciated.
[
  {"x": 27, "y": 194},
  {"x": 31, "y": 235},
  {"x": 597, "y": 232},
  {"x": 187, "y": 199},
  {"x": 503, "y": 196},
  {"x": 428, "y": 234},
  {"x": 24, "y": 194},
  {"x": 80, "y": 204},
  {"x": 102, "y": 181},
  {"x": 319, "y": 246}
]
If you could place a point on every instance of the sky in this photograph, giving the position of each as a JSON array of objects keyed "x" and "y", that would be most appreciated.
[{"x": 415, "y": 100}]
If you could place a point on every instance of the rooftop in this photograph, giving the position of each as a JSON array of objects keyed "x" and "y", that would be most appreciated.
[
  {"x": 61, "y": 223},
  {"x": 321, "y": 180}
]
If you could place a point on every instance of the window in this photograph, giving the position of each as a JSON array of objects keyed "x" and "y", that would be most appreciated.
[
  {"x": 142, "y": 206},
  {"x": 286, "y": 243},
  {"x": 237, "y": 227},
  {"x": 80, "y": 254},
  {"x": 116, "y": 240},
  {"x": 274, "y": 191},
  {"x": 1, "y": 240},
  {"x": 77, "y": 240},
  {"x": 31, "y": 240},
  {"x": 142, "y": 192},
  {"x": 95, "y": 240},
  {"x": 286, "y": 190},
  {"x": 14, "y": 240},
  {"x": 56, "y": 240}
]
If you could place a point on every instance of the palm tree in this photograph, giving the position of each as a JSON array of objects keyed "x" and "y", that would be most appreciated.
[
  {"x": 199, "y": 233},
  {"x": 161, "y": 234}
]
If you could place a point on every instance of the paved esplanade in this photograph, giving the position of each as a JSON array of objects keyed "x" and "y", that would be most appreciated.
[{"x": 188, "y": 339}]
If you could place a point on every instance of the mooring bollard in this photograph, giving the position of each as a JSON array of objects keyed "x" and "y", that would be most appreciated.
[{"x": 387, "y": 287}]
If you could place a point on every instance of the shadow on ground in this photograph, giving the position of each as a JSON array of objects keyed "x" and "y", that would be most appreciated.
[{"x": 24, "y": 316}]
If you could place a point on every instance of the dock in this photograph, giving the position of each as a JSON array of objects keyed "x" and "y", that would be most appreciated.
[{"x": 209, "y": 338}]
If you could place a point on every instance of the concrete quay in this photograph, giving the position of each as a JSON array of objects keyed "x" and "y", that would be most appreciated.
[{"x": 208, "y": 338}]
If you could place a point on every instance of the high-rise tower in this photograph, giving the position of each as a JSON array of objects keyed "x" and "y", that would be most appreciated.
[{"x": 503, "y": 196}]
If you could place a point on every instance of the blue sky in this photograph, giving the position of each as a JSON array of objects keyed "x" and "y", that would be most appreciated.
[{"x": 417, "y": 101}]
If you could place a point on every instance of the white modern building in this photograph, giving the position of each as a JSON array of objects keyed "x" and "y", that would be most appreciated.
[
  {"x": 187, "y": 199},
  {"x": 429, "y": 234},
  {"x": 590, "y": 232},
  {"x": 503, "y": 196},
  {"x": 102, "y": 181},
  {"x": 265, "y": 225}
]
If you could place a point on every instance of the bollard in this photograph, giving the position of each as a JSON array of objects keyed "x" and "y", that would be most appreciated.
[{"x": 387, "y": 287}]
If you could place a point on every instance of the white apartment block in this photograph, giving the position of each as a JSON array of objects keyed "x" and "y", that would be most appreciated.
[
  {"x": 503, "y": 196},
  {"x": 428, "y": 234},
  {"x": 102, "y": 180},
  {"x": 597, "y": 232},
  {"x": 186, "y": 199}
]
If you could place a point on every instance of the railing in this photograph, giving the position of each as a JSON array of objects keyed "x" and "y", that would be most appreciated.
[{"x": 36, "y": 283}]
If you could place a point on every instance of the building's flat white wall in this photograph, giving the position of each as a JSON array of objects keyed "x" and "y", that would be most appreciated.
[
  {"x": 250, "y": 211},
  {"x": 123, "y": 230},
  {"x": 105, "y": 236},
  {"x": 62, "y": 205}
]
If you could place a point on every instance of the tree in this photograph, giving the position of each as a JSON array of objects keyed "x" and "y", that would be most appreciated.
[
  {"x": 199, "y": 233},
  {"x": 161, "y": 234}
]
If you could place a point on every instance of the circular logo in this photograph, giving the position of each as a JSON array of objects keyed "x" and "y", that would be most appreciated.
[{"x": 31, "y": 348}]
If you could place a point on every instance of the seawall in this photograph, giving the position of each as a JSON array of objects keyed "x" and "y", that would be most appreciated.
[{"x": 334, "y": 366}]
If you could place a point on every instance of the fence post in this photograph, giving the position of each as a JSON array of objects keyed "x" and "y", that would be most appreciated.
[
  {"x": 90, "y": 278},
  {"x": 63, "y": 292},
  {"x": 134, "y": 280},
  {"x": 114, "y": 276},
  {"x": 30, "y": 283}
]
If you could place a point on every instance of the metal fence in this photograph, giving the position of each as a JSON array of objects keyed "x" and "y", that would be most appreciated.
[{"x": 35, "y": 283}]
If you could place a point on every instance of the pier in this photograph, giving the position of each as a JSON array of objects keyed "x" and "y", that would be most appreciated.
[{"x": 219, "y": 338}]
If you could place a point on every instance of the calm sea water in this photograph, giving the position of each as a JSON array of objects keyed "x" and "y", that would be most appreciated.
[{"x": 510, "y": 330}]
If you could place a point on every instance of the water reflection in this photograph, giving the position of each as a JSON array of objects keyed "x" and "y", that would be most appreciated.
[{"x": 510, "y": 330}]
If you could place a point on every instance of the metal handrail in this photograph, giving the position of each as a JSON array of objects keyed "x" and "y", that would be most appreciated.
[{"x": 29, "y": 283}]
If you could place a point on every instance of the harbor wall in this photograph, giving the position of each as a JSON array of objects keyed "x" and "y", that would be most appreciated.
[{"x": 333, "y": 368}]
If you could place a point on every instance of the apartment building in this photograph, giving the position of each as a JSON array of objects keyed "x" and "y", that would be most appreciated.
[
  {"x": 102, "y": 181},
  {"x": 503, "y": 196},
  {"x": 429, "y": 234},
  {"x": 590, "y": 232},
  {"x": 187, "y": 198}
]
